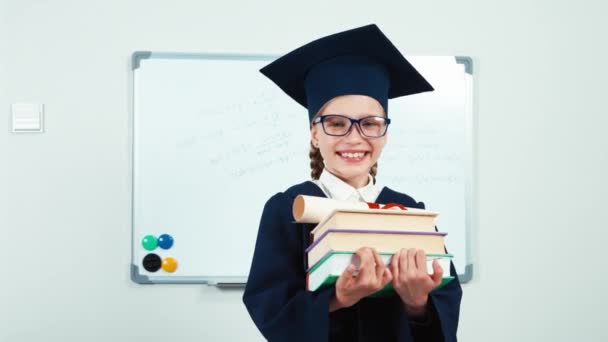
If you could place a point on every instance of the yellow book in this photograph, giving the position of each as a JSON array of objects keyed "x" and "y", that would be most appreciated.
[{"x": 378, "y": 219}]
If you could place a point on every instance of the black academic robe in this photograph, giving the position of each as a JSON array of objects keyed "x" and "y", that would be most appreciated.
[{"x": 283, "y": 310}]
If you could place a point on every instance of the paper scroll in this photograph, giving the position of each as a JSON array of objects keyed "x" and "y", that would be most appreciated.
[{"x": 312, "y": 209}]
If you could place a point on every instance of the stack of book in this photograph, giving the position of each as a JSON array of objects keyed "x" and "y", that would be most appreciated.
[{"x": 337, "y": 237}]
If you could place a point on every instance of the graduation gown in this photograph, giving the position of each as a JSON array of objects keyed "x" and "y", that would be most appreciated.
[{"x": 283, "y": 310}]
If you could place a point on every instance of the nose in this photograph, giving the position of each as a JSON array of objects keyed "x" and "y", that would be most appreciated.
[{"x": 354, "y": 134}]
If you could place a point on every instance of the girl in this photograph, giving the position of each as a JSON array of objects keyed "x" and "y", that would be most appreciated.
[{"x": 345, "y": 81}]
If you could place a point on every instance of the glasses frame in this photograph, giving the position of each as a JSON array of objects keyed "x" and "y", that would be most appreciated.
[{"x": 321, "y": 120}]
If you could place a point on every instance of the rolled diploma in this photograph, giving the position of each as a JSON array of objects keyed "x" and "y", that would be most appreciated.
[{"x": 313, "y": 209}]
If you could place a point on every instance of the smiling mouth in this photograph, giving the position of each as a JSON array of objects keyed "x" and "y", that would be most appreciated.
[{"x": 352, "y": 156}]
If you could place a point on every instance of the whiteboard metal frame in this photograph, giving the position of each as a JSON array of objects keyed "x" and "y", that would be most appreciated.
[{"x": 239, "y": 282}]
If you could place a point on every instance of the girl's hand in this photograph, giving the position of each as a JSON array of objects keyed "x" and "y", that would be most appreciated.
[
  {"x": 373, "y": 275},
  {"x": 411, "y": 279}
]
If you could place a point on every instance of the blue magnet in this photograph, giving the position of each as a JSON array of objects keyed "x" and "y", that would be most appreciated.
[{"x": 165, "y": 241}]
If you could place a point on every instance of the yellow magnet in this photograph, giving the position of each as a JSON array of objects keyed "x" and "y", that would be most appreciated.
[{"x": 169, "y": 264}]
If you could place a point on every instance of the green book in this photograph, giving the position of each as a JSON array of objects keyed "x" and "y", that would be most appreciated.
[{"x": 326, "y": 272}]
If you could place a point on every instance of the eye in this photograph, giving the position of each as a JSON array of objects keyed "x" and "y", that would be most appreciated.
[
  {"x": 372, "y": 122},
  {"x": 368, "y": 123},
  {"x": 335, "y": 122}
]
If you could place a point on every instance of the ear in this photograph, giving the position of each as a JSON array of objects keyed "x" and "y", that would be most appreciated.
[{"x": 314, "y": 136}]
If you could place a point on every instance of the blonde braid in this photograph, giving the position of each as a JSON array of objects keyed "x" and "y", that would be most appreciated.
[
  {"x": 374, "y": 171},
  {"x": 316, "y": 162}
]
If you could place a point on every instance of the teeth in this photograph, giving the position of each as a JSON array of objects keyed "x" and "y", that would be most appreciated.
[{"x": 353, "y": 155}]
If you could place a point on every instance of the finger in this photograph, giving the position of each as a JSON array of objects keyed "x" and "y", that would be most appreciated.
[
  {"x": 356, "y": 261},
  {"x": 367, "y": 268},
  {"x": 411, "y": 263},
  {"x": 403, "y": 265},
  {"x": 365, "y": 257},
  {"x": 379, "y": 265},
  {"x": 421, "y": 262},
  {"x": 346, "y": 277},
  {"x": 437, "y": 273},
  {"x": 394, "y": 266},
  {"x": 387, "y": 276}
]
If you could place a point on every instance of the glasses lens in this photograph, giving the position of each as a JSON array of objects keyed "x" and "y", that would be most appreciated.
[
  {"x": 373, "y": 126},
  {"x": 336, "y": 125}
]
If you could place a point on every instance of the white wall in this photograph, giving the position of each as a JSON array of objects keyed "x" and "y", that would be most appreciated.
[{"x": 541, "y": 158}]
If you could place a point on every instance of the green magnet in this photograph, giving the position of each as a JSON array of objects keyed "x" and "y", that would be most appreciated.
[{"x": 149, "y": 242}]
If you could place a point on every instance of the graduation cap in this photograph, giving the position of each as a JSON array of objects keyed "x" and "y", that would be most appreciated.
[{"x": 361, "y": 61}]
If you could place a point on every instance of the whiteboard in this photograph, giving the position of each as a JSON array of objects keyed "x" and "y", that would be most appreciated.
[{"x": 187, "y": 174}]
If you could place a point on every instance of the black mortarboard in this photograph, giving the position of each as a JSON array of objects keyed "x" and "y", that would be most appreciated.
[{"x": 360, "y": 61}]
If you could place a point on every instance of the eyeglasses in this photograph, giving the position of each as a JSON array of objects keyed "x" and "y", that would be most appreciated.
[{"x": 340, "y": 125}]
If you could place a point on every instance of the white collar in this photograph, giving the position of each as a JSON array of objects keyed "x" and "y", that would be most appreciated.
[{"x": 336, "y": 188}]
